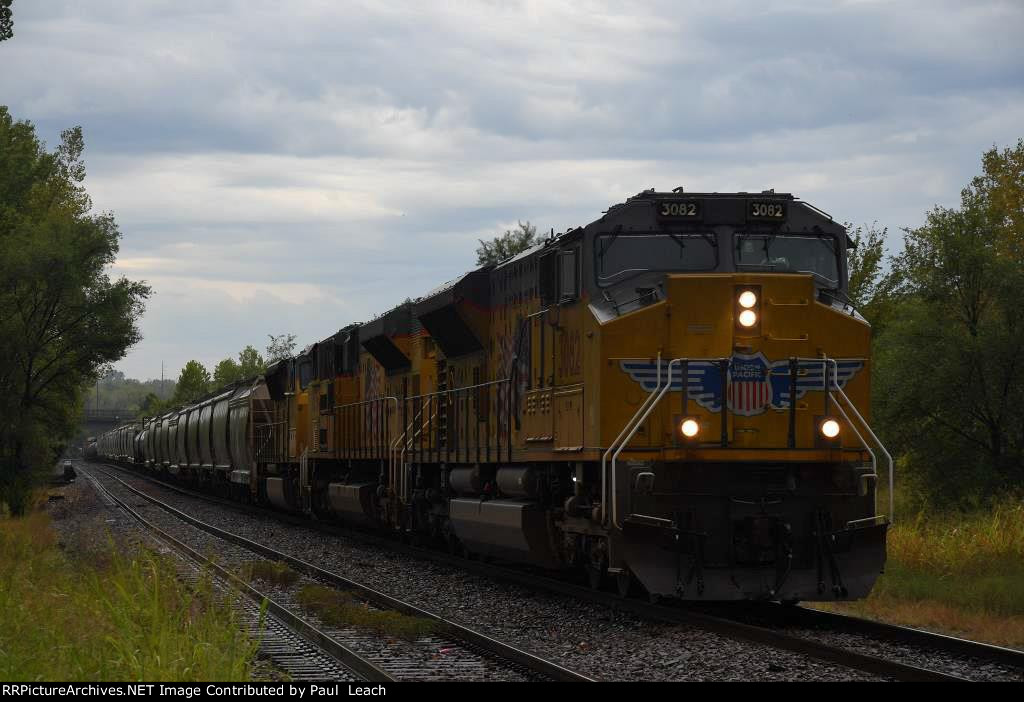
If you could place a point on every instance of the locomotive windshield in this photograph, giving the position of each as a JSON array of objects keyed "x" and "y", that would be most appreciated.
[
  {"x": 786, "y": 253},
  {"x": 620, "y": 256}
]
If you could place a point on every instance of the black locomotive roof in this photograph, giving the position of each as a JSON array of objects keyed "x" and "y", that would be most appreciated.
[
  {"x": 679, "y": 192},
  {"x": 733, "y": 209}
]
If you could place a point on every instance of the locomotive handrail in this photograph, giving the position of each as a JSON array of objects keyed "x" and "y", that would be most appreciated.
[
  {"x": 392, "y": 449},
  {"x": 446, "y": 394},
  {"x": 632, "y": 433},
  {"x": 604, "y": 457},
  {"x": 450, "y": 391},
  {"x": 387, "y": 426},
  {"x": 827, "y": 388},
  {"x": 408, "y": 444},
  {"x": 633, "y": 425},
  {"x": 871, "y": 433},
  {"x": 366, "y": 402},
  {"x": 393, "y": 461},
  {"x": 393, "y": 474},
  {"x": 874, "y": 458}
]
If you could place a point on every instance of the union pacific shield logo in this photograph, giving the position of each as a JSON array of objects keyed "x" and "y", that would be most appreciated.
[
  {"x": 755, "y": 383},
  {"x": 750, "y": 390}
]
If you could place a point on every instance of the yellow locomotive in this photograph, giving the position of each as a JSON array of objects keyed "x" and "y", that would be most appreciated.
[{"x": 674, "y": 395}]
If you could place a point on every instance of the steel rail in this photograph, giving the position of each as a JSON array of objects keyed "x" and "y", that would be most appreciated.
[
  {"x": 673, "y": 615},
  {"x": 378, "y": 598},
  {"x": 300, "y": 627},
  {"x": 928, "y": 639}
]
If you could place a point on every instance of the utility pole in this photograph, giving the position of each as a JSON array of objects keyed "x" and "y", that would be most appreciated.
[{"x": 161, "y": 379}]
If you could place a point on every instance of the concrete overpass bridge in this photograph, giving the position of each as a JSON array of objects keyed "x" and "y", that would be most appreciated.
[{"x": 98, "y": 421}]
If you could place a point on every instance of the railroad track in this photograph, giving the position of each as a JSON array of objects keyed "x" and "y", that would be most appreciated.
[
  {"x": 770, "y": 627},
  {"x": 456, "y": 651},
  {"x": 816, "y": 618},
  {"x": 292, "y": 644}
]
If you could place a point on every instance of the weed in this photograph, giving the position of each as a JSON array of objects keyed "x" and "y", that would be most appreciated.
[
  {"x": 269, "y": 572},
  {"x": 339, "y": 608}
]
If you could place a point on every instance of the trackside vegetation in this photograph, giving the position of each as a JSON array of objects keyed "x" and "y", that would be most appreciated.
[
  {"x": 268, "y": 572},
  {"x": 342, "y": 609},
  {"x": 948, "y": 400},
  {"x": 119, "y": 618},
  {"x": 957, "y": 572}
]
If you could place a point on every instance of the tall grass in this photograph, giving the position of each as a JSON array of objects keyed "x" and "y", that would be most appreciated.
[
  {"x": 974, "y": 561},
  {"x": 118, "y": 618},
  {"x": 957, "y": 572}
]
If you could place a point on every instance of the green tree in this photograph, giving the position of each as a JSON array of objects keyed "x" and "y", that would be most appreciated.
[
  {"x": 871, "y": 287},
  {"x": 952, "y": 361},
  {"x": 63, "y": 320},
  {"x": 999, "y": 194},
  {"x": 193, "y": 383},
  {"x": 151, "y": 405},
  {"x": 6, "y": 20},
  {"x": 506, "y": 245},
  {"x": 250, "y": 363},
  {"x": 280, "y": 347},
  {"x": 114, "y": 391},
  {"x": 226, "y": 372}
]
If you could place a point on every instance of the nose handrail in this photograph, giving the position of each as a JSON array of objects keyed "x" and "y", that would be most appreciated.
[
  {"x": 644, "y": 412},
  {"x": 611, "y": 447},
  {"x": 867, "y": 428}
]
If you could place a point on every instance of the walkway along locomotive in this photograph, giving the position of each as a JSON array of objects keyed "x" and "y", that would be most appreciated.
[{"x": 675, "y": 394}]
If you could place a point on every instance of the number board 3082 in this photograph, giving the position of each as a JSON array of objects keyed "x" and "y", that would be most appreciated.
[
  {"x": 679, "y": 209},
  {"x": 773, "y": 211}
]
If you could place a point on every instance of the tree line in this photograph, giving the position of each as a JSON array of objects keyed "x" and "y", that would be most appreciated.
[
  {"x": 144, "y": 398},
  {"x": 63, "y": 319},
  {"x": 196, "y": 381},
  {"x": 948, "y": 346}
]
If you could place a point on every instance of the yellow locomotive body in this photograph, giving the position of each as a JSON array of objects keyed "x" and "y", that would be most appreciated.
[{"x": 675, "y": 395}]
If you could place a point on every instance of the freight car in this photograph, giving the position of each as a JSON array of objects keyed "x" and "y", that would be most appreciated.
[{"x": 675, "y": 395}]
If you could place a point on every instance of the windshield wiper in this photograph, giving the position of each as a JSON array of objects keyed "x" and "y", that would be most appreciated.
[
  {"x": 614, "y": 234},
  {"x": 678, "y": 238}
]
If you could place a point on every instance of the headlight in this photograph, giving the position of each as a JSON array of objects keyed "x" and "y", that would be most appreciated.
[
  {"x": 747, "y": 299},
  {"x": 829, "y": 428},
  {"x": 748, "y": 318},
  {"x": 689, "y": 427}
]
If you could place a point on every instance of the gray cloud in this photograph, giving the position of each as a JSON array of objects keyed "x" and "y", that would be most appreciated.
[{"x": 294, "y": 166}]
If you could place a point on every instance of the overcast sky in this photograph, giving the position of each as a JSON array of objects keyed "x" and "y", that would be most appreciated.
[{"x": 295, "y": 166}]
